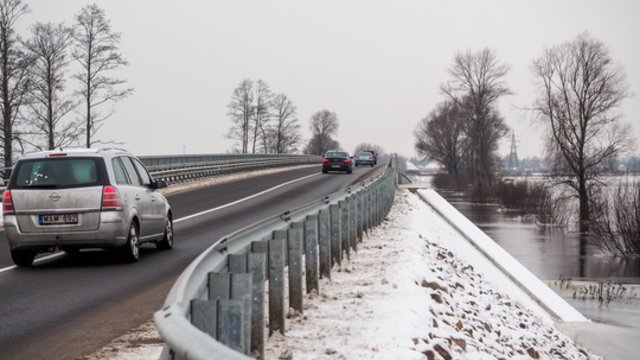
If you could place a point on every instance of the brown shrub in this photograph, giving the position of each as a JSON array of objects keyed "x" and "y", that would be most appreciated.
[{"x": 615, "y": 221}]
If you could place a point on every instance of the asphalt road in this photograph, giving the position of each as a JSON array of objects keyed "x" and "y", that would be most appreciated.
[{"x": 69, "y": 306}]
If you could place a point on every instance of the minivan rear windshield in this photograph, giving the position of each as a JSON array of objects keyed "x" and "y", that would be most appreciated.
[{"x": 55, "y": 173}]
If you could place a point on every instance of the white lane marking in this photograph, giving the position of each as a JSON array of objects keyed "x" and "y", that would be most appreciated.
[
  {"x": 192, "y": 215},
  {"x": 243, "y": 199},
  {"x": 48, "y": 257}
]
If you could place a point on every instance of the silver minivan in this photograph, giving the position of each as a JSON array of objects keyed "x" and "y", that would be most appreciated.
[{"x": 84, "y": 198}]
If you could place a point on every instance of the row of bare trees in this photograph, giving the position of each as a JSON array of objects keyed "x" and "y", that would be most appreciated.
[
  {"x": 262, "y": 122},
  {"x": 463, "y": 131},
  {"x": 36, "y": 105}
]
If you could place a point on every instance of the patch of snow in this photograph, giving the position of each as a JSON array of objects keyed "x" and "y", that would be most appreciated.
[
  {"x": 142, "y": 343},
  {"x": 410, "y": 166}
]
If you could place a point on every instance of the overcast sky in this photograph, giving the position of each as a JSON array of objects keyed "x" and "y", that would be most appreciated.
[{"x": 377, "y": 64}]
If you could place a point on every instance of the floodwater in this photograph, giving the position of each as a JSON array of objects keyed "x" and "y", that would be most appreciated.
[
  {"x": 554, "y": 253},
  {"x": 548, "y": 252}
]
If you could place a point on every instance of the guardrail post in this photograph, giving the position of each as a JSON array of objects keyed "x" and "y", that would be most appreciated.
[
  {"x": 276, "y": 285},
  {"x": 282, "y": 234},
  {"x": 372, "y": 206},
  {"x": 237, "y": 263},
  {"x": 241, "y": 291},
  {"x": 219, "y": 286},
  {"x": 260, "y": 247},
  {"x": 346, "y": 234},
  {"x": 311, "y": 252},
  {"x": 204, "y": 316},
  {"x": 365, "y": 210},
  {"x": 324, "y": 242},
  {"x": 230, "y": 311},
  {"x": 336, "y": 229},
  {"x": 230, "y": 323},
  {"x": 378, "y": 217},
  {"x": 295, "y": 266},
  {"x": 257, "y": 267},
  {"x": 353, "y": 225},
  {"x": 361, "y": 219}
]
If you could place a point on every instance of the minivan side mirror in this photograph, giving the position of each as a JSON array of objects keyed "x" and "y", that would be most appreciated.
[{"x": 159, "y": 184}]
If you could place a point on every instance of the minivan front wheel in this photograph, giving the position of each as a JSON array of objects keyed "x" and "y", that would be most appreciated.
[
  {"x": 167, "y": 240},
  {"x": 131, "y": 250},
  {"x": 22, "y": 257}
]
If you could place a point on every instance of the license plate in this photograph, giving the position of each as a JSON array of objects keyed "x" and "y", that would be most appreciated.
[
  {"x": 335, "y": 166},
  {"x": 58, "y": 219}
]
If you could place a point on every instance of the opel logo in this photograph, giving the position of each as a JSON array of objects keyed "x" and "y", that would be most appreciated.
[{"x": 54, "y": 197}]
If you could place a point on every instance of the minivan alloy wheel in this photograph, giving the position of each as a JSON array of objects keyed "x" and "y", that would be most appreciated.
[{"x": 132, "y": 247}]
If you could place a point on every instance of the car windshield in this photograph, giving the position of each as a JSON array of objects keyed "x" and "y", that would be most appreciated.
[
  {"x": 57, "y": 173},
  {"x": 337, "y": 154},
  {"x": 364, "y": 154}
]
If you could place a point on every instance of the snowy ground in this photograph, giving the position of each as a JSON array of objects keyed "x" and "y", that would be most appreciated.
[{"x": 406, "y": 294}]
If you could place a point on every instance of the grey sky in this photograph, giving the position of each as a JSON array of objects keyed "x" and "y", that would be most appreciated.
[{"x": 377, "y": 64}]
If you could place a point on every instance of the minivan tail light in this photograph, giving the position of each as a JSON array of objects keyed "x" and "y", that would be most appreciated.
[
  {"x": 7, "y": 203},
  {"x": 57, "y": 155},
  {"x": 111, "y": 199},
  {"x": 346, "y": 161},
  {"x": 325, "y": 160}
]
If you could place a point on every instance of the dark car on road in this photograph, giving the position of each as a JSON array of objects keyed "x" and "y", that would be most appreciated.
[
  {"x": 365, "y": 158},
  {"x": 335, "y": 160}
]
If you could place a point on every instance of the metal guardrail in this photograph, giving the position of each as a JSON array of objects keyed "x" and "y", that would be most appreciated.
[
  {"x": 216, "y": 307},
  {"x": 179, "y": 168}
]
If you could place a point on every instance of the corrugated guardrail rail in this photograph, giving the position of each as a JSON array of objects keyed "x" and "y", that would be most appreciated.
[
  {"x": 215, "y": 310},
  {"x": 177, "y": 168}
]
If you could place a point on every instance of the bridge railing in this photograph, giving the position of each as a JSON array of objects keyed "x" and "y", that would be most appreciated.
[
  {"x": 216, "y": 308},
  {"x": 180, "y": 168}
]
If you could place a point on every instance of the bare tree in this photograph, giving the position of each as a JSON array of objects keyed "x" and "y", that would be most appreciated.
[
  {"x": 241, "y": 109},
  {"x": 95, "y": 48},
  {"x": 14, "y": 74},
  {"x": 478, "y": 79},
  {"x": 324, "y": 124},
  {"x": 261, "y": 115},
  {"x": 285, "y": 132},
  {"x": 49, "y": 46},
  {"x": 319, "y": 145},
  {"x": 579, "y": 88},
  {"x": 441, "y": 136}
]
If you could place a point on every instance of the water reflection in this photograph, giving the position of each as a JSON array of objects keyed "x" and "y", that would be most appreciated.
[{"x": 548, "y": 252}]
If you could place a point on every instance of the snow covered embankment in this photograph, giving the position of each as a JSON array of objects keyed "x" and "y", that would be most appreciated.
[{"x": 405, "y": 295}]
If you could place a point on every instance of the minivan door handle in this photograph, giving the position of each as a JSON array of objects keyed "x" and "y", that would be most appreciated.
[{"x": 138, "y": 197}]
